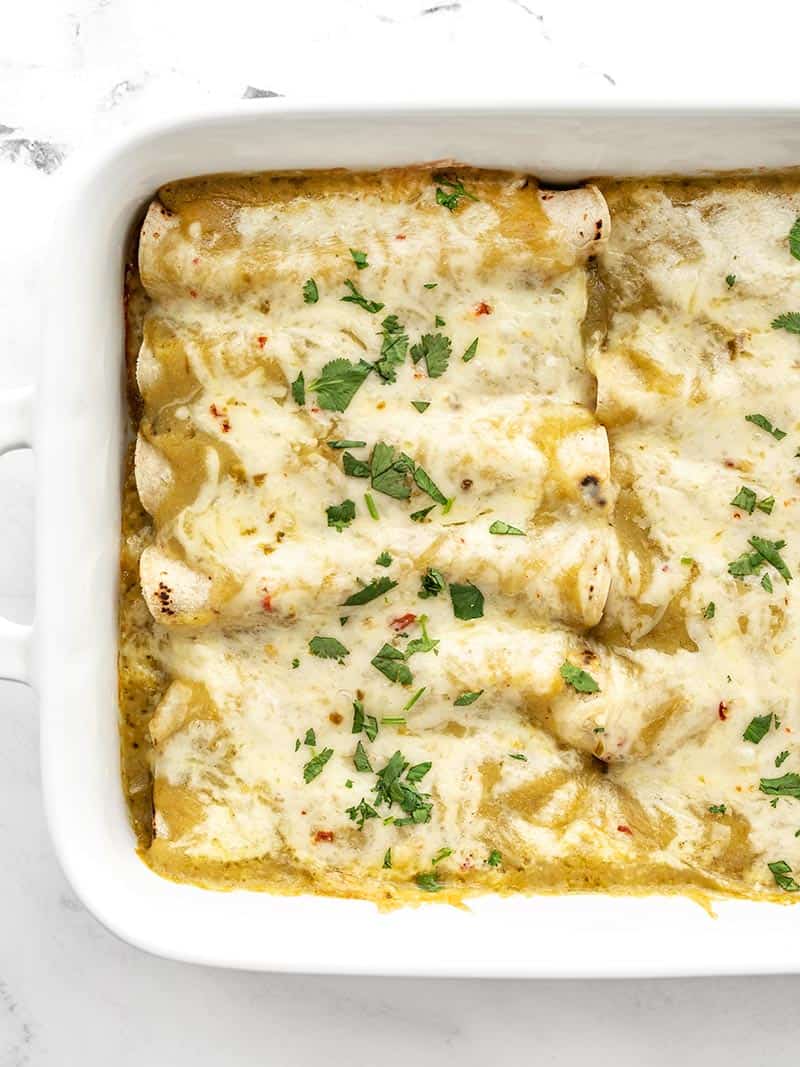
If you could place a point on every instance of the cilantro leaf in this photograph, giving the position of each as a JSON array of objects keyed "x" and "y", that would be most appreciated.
[
  {"x": 359, "y": 258},
  {"x": 500, "y": 527},
  {"x": 421, "y": 405},
  {"x": 422, "y": 514},
  {"x": 299, "y": 389},
  {"x": 391, "y": 662},
  {"x": 361, "y": 812},
  {"x": 387, "y": 859},
  {"x": 341, "y": 515},
  {"x": 339, "y": 382},
  {"x": 580, "y": 680},
  {"x": 717, "y": 809},
  {"x": 766, "y": 505},
  {"x": 418, "y": 771},
  {"x": 471, "y": 351},
  {"x": 362, "y": 721},
  {"x": 427, "y": 880},
  {"x": 467, "y": 601},
  {"x": 372, "y": 306},
  {"x": 432, "y": 584},
  {"x": 758, "y": 728},
  {"x": 766, "y": 583},
  {"x": 393, "y": 348},
  {"x": 764, "y": 423},
  {"x": 730, "y": 280},
  {"x": 435, "y": 349},
  {"x": 424, "y": 643},
  {"x": 327, "y": 648},
  {"x": 710, "y": 610},
  {"x": 356, "y": 468},
  {"x": 310, "y": 292},
  {"x": 316, "y": 764},
  {"x": 384, "y": 560},
  {"x": 427, "y": 485},
  {"x": 467, "y": 698},
  {"x": 781, "y": 872},
  {"x": 745, "y": 499},
  {"x": 781, "y": 757},
  {"x": 361, "y": 759},
  {"x": 788, "y": 785},
  {"x": 388, "y": 472},
  {"x": 457, "y": 193},
  {"x": 769, "y": 551},
  {"x": 495, "y": 859},
  {"x": 442, "y": 854},
  {"x": 789, "y": 321},
  {"x": 371, "y": 508},
  {"x": 310, "y": 738},
  {"x": 377, "y": 587}
]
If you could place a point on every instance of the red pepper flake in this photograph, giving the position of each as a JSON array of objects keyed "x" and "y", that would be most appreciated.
[
  {"x": 403, "y": 621},
  {"x": 483, "y": 308},
  {"x": 262, "y": 340},
  {"x": 196, "y": 260},
  {"x": 722, "y": 710},
  {"x": 220, "y": 414},
  {"x": 316, "y": 410},
  {"x": 323, "y": 835},
  {"x": 266, "y": 602},
  {"x": 623, "y": 829},
  {"x": 399, "y": 237},
  {"x": 193, "y": 294},
  {"x": 336, "y": 718}
]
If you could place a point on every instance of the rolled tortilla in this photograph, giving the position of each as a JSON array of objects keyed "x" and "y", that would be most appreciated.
[{"x": 201, "y": 241}]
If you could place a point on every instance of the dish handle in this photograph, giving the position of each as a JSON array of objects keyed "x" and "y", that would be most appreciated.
[{"x": 16, "y": 431}]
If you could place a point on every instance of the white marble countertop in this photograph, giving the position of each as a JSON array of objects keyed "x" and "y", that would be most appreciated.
[{"x": 73, "y": 71}]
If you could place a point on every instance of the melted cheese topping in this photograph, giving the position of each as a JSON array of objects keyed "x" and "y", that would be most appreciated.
[{"x": 602, "y": 414}]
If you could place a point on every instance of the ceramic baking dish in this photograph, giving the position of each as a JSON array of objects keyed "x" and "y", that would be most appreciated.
[{"x": 70, "y": 653}]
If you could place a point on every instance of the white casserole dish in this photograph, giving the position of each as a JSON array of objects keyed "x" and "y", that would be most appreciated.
[{"x": 70, "y": 653}]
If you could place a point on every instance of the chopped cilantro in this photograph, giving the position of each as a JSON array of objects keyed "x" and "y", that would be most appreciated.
[
  {"x": 311, "y": 738},
  {"x": 764, "y": 423},
  {"x": 430, "y": 285},
  {"x": 427, "y": 880},
  {"x": 744, "y": 499},
  {"x": 384, "y": 560},
  {"x": 758, "y": 728},
  {"x": 347, "y": 444},
  {"x": 295, "y": 663},
  {"x": 730, "y": 280},
  {"x": 766, "y": 583},
  {"x": 341, "y": 515},
  {"x": 495, "y": 859},
  {"x": 518, "y": 755},
  {"x": 717, "y": 809},
  {"x": 391, "y": 662},
  {"x": 766, "y": 505},
  {"x": 710, "y": 610},
  {"x": 362, "y": 721},
  {"x": 377, "y": 587},
  {"x": 387, "y": 859},
  {"x": 471, "y": 351},
  {"x": 372, "y": 306},
  {"x": 422, "y": 514},
  {"x": 362, "y": 811},
  {"x": 467, "y": 601},
  {"x": 371, "y": 508},
  {"x": 769, "y": 551},
  {"x": 355, "y": 468},
  {"x": 359, "y": 258},
  {"x": 299, "y": 389},
  {"x": 327, "y": 648},
  {"x": 361, "y": 759},
  {"x": 794, "y": 238},
  {"x": 343, "y": 619},
  {"x": 500, "y": 527},
  {"x": 410, "y": 704},
  {"x": 453, "y": 198},
  {"x": 393, "y": 720},
  {"x": 782, "y": 873},
  {"x": 467, "y": 698},
  {"x": 439, "y": 321},
  {"x": 339, "y": 382},
  {"x": 788, "y": 785},
  {"x": 421, "y": 405},
  {"x": 424, "y": 643},
  {"x": 427, "y": 485},
  {"x": 442, "y": 854},
  {"x": 790, "y": 321},
  {"x": 316, "y": 764},
  {"x": 432, "y": 584},
  {"x": 393, "y": 348},
  {"x": 389, "y": 472},
  {"x": 580, "y": 680},
  {"x": 781, "y": 757},
  {"x": 435, "y": 349},
  {"x": 310, "y": 292}
]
